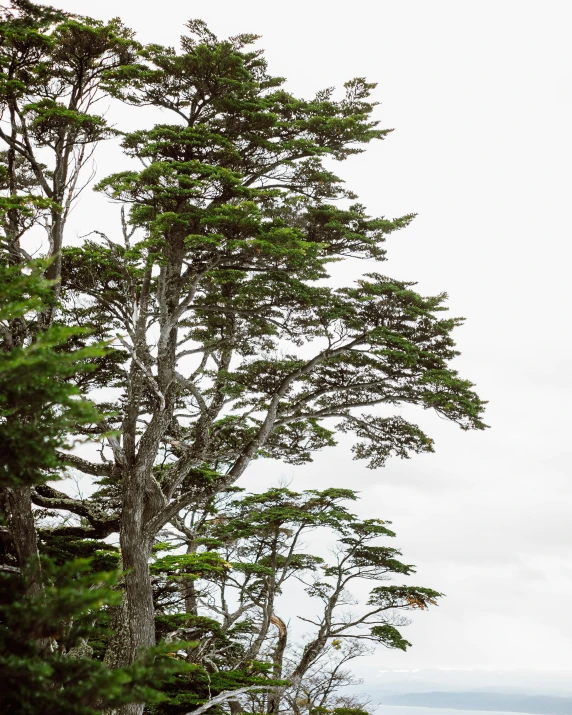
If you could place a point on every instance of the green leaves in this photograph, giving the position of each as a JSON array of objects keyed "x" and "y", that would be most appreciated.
[
  {"x": 403, "y": 597},
  {"x": 49, "y": 121},
  {"x": 280, "y": 508},
  {"x": 239, "y": 211},
  {"x": 39, "y": 407},
  {"x": 190, "y": 566},
  {"x": 389, "y": 637},
  {"x": 46, "y": 659}
]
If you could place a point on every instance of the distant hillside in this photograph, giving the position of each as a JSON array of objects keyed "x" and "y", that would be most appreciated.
[{"x": 500, "y": 702}]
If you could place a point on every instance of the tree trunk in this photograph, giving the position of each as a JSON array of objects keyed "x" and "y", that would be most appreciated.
[
  {"x": 23, "y": 532},
  {"x": 188, "y": 587},
  {"x": 135, "y": 619},
  {"x": 53, "y": 271},
  {"x": 275, "y": 696},
  {"x": 136, "y": 551},
  {"x": 134, "y": 622}
]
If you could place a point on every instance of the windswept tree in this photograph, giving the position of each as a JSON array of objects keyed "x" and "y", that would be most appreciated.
[
  {"x": 231, "y": 343},
  {"x": 228, "y": 592},
  {"x": 236, "y": 347}
]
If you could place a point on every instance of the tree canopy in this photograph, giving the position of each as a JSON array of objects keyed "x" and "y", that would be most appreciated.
[{"x": 226, "y": 341}]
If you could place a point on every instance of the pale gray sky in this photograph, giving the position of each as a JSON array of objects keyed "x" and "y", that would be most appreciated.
[{"x": 480, "y": 96}]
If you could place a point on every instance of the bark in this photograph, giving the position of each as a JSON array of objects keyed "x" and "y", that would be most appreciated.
[
  {"x": 23, "y": 532},
  {"x": 136, "y": 551},
  {"x": 188, "y": 588},
  {"x": 275, "y": 696},
  {"x": 134, "y": 621},
  {"x": 117, "y": 651},
  {"x": 235, "y": 707},
  {"x": 53, "y": 272}
]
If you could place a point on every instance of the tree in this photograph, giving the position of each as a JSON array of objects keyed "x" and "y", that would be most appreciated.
[
  {"x": 38, "y": 405},
  {"x": 237, "y": 227},
  {"x": 231, "y": 343},
  {"x": 241, "y": 553},
  {"x": 53, "y": 66}
]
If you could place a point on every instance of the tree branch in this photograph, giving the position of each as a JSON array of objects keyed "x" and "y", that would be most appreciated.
[
  {"x": 96, "y": 470},
  {"x": 227, "y": 695}
]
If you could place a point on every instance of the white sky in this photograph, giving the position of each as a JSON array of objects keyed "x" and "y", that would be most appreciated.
[{"x": 479, "y": 94}]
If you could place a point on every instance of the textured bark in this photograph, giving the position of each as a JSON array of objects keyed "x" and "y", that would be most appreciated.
[
  {"x": 23, "y": 532},
  {"x": 135, "y": 621},
  {"x": 235, "y": 707},
  {"x": 133, "y": 628},
  {"x": 117, "y": 649},
  {"x": 138, "y": 589},
  {"x": 277, "y": 657}
]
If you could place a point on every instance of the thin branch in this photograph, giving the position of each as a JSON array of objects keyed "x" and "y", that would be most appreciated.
[
  {"x": 97, "y": 470},
  {"x": 227, "y": 695},
  {"x": 192, "y": 388},
  {"x": 145, "y": 370}
]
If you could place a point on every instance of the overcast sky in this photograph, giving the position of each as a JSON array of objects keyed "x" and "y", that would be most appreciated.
[{"x": 480, "y": 97}]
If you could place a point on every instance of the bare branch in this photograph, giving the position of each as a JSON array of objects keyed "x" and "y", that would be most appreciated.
[
  {"x": 227, "y": 695},
  {"x": 97, "y": 470},
  {"x": 145, "y": 370},
  {"x": 192, "y": 388}
]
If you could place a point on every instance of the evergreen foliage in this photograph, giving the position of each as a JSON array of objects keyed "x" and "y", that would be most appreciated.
[
  {"x": 227, "y": 342},
  {"x": 48, "y": 643},
  {"x": 39, "y": 405},
  {"x": 47, "y": 663}
]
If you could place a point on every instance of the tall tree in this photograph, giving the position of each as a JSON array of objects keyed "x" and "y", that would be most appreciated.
[
  {"x": 53, "y": 70},
  {"x": 232, "y": 343},
  {"x": 236, "y": 347}
]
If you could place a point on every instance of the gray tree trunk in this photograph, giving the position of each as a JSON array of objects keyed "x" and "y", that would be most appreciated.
[
  {"x": 23, "y": 531},
  {"x": 134, "y": 624}
]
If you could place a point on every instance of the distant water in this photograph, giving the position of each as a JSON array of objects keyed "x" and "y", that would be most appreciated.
[{"x": 405, "y": 710}]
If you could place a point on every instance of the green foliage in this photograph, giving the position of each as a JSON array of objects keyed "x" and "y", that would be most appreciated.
[
  {"x": 39, "y": 406},
  {"x": 189, "y": 566},
  {"x": 60, "y": 550},
  {"x": 258, "y": 515},
  {"x": 230, "y": 345},
  {"x": 47, "y": 663},
  {"x": 45, "y": 657},
  {"x": 44, "y": 52},
  {"x": 202, "y": 680},
  {"x": 186, "y": 692}
]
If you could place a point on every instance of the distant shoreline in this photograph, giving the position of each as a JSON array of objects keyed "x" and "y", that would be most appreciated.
[
  {"x": 454, "y": 710},
  {"x": 483, "y": 702}
]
